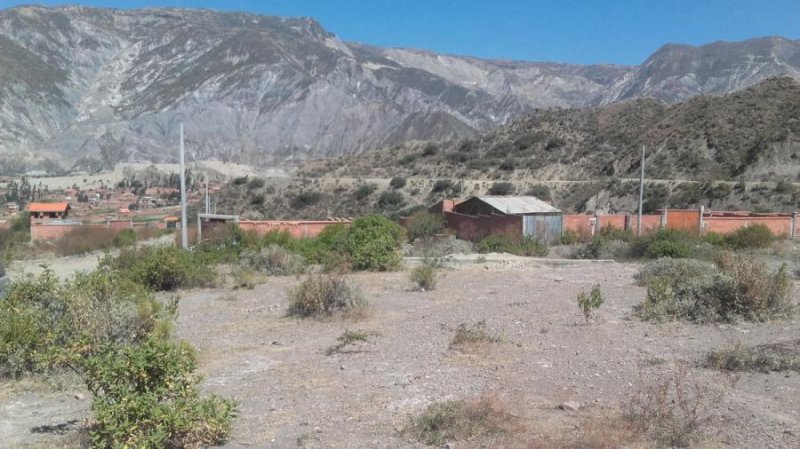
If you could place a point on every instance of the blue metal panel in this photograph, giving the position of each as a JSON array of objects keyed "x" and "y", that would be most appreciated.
[{"x": 542, "y": 227}]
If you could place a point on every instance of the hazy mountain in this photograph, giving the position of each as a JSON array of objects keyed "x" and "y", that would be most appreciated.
[{"x": 91, "y": 87}]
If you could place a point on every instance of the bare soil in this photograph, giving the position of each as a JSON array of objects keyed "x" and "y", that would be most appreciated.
[{"x": 292, "y": 394}]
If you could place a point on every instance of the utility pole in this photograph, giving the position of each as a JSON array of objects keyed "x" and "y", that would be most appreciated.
[
  {"x": 208, "y": 202},
  {"x": 184, "y": 225},
  {"x": 641, "y": 197}
]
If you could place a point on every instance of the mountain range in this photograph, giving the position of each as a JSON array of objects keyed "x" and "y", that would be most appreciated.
[{"x": 84, "y": 88}]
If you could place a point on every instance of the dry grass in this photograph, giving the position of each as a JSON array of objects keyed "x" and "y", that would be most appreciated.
[
  {"x": 457, "y": 420},
  {"x": 674, "y": 411},
  {"x": 322, "y": 296},
  {"x": 477, "y": 334},
  {"x": 783, "y": 356}
]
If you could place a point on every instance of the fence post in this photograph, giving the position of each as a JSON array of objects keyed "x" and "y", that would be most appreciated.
[
  {"x": 793, "y": 233},
  {"x": 702, "y": 210},
  {"x": 663, "y": 222}
]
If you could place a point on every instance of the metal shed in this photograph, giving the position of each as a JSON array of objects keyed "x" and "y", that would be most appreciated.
[{"x": 540, "y": 219}]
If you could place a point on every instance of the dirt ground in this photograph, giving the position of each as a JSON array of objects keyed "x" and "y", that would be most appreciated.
[{"x": 292, "y": 394}]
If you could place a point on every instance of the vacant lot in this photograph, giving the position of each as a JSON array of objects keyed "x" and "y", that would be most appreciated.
[{"x": 293, "y": 394}]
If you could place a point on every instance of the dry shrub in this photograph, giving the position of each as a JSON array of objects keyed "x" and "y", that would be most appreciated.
[
  {"x": 599, "y": 431},
  {"x": 458, "y": 420},
  {"x": 475, "y": 334},
  {"x": 425, "y": 277},
  {"x": 274, "y": 260},
  {"x": 320, "y": 295},
  {"x": 674, "y": 411},
  {"x": 757, "y": 294},
  {"x": 784, "y": 356}
]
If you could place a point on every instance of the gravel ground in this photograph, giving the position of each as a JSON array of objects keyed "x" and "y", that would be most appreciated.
[{"x": 292, "y": 394}]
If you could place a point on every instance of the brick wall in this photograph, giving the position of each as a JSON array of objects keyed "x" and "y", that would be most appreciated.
[
  {"x": 55, "y": 231},
  {"x": 297, "y": 229},
  {"x": 780, "y": 225},
  {"x": 469, "y": 227},
  {"x": 687, "y": 220}
]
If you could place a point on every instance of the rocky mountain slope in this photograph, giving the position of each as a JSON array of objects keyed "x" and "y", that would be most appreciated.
[
  {"x": 86, "y": 88},
  {"x": 753, "y": 134}
]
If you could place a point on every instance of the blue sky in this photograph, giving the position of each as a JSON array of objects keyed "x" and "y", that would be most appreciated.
[{"x": 579, "y": 31}]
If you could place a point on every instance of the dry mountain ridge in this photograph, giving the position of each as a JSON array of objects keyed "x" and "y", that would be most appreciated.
[
  {"x": 753, "y": 134},
  {"x": 86, "y": 88}
]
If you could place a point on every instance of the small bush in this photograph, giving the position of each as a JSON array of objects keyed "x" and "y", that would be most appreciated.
[
  {"x": 390, "y": 200},
  {"x": 305, "y": 199},
  {"x": 373, "y": 243},
  {"x": 147, "y": 396},
  {"x": 741, "y": 288},
  {"x": 589, "y": 303},
  {"x": 442, "y": 185},
  {"x": 764, "y": 358},
  {"x": 274, "y": 260},
  {"x": 363, "y": 191},
  {"x": 126, "y": 237},
  {"x": 750, "y": 237},
  {"x": 349, "y": 338},
  {"x": 161, "y": 268},
  {"x": 423, "y": 225},
  {"x": 42, "y": 318},
  {"x": 501, "y": 188},
  {"x": 325, "y": 296},
  {"x": 476, "y": 334},
  {"x": 440, "y": 247},
  {"x": 424, "y": 277},
  {"x": 673, "y": 271},
  {"x": 397, "y": 183},
  {"x": 668, "y": 248},
  {"x": 671, "y": 412},
  {"x": 502, "y": 244},
  {"x": 460, "y": 420}
]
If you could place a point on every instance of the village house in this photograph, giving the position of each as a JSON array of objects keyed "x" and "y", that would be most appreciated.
[{"x": 42, "y": 211}]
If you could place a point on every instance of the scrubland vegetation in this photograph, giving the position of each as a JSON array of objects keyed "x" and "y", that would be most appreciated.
[{"x": 111, "y": 329}]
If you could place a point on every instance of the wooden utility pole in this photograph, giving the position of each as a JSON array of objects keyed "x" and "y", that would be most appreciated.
[
  {"x": 641, "y": 197},
  {"x": 184, "y": 225}
]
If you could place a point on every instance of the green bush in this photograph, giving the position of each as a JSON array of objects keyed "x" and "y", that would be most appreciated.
[
  {"x": 750, "y": 237},
  {"x": 390, "y": 200},
  {"x": 668, "y": 248},
  {"x": 147, "y": 396},
  {"x": 741, "y": 288},
  {"x": 275, "y": 260},
  {"x": 325, "y": 296},
  {"x": 397, "y": 183},
  {"x": 423, "y": 225},
  {"x": 503, "y": 244},
  {"x": 373, "y": 243},
  {"x": 501, "y": 188},
  {"x": 126, "y": 237},
  {"x": 364, "y": 191},
  {"x": 590, "y": 302},
  {"x": 161, "y": 268},
  {"x": 42, "y": 319},
  {"x": 673, "y": 271},
  {"x": 113, "y": 333}
]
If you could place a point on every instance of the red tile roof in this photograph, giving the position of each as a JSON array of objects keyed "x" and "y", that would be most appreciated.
[{"x": 48, "y": 207}]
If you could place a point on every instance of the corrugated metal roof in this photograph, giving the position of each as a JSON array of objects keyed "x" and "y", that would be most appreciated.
[{"x": 519, "y": 204}]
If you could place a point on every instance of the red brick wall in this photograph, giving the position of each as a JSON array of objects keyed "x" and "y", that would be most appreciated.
[
  {"x": 611, "y": 221},
  {"x": 469, "y": 227},
  {"x": 581, "y": 224},
  {"x": 44, "y": 231},
  {"x": 779, "y": 225},
  {"x": 297, "y": 229},
  {"x": 650, "y": 223},
  {"x": 687, "y": 220}
]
